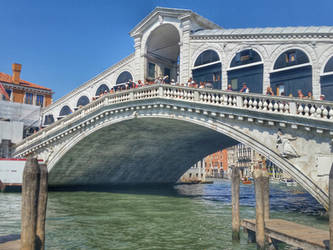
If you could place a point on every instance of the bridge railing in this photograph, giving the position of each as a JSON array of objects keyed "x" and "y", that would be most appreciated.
[{"x": 312, "y": 109}]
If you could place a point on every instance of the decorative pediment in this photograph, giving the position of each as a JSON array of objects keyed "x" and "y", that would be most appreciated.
[{"x": 159, "y": 14}]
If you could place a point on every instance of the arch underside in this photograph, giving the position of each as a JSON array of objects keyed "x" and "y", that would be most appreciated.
[{"x": 137, "y": 151}]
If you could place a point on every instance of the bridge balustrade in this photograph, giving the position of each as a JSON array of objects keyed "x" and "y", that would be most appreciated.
[{"x": 311, "y": 109}]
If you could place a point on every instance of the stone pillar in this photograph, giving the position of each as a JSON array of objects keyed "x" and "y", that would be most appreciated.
[
  {"x": 139, "y": 59},
  {"x": 224, "y": 76},
  {"x": 185, "y": 58},
  {"x": 266, "y": 76},
  {"x": 316, "y": 90}
]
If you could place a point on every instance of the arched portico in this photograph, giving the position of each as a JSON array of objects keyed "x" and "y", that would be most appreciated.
[
  {"x": 162, "y": 52},
  {"x": 246, "y": 67}
]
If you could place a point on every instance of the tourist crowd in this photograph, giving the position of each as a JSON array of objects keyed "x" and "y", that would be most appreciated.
[{"x": 193, "y": 84}]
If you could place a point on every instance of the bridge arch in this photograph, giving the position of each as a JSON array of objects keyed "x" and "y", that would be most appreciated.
[
  {"x": 292, "y": 70},
  {"x": 208, "y": 68},
  {"x": 82, "y": 101},
  {"x": 65, "y": 110},
  {"x": 124, "y": 76},
  {"x": 101, "y": 89},
  {"x": 234, "y": 133},
  {"x": 162, "y": 51}
]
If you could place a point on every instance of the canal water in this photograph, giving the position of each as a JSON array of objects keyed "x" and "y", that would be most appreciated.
[{"x": 174, "y": 217}]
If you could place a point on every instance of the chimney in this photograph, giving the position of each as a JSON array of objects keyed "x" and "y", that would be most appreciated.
[{"x": 16, "y": 73}]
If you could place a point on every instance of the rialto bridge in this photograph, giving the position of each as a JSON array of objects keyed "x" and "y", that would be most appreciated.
[
  {"x": 153, "y": 134},
  {"x": 182, "y": 44}
]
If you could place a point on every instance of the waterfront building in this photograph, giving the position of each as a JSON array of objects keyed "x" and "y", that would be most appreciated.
[
  {"x": 20, "y": 108},
  {"x": 216, "y": 164},
  {"x": 184, "y": 45},
  {"x": 195, "y": 174}
]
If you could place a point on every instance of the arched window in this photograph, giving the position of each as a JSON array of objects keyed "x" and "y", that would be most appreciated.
[
  {"x": 65, "y": 110},
  {"x": 291, "y": 72},
  {"x": 48, "y": 119},
  {"x": 251, "y": 73},
  {"x": 207, "y": 68},
  {"x": 124, "y": 77},
  {"x": 206, "y": 57},
  {"x": 290, "y": 58},
  {"x": 101, "y": 89},
  {"x": 83, "y": 100},
  {"x": 326, "y": 80}
]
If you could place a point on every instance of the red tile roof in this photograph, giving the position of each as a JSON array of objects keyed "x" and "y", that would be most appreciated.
[{"x": 8, "y": 79}]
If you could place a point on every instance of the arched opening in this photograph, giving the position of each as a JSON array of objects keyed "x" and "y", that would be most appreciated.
[
  {"x": 292, "y": 71},
  {"x": 83, "y": 100},
  {"x": 65, "y": 110},
  {"x": 101, "y": 89},
  {"x": 326, "y": 80},
  {"x": 207, "y": 68},
  {"x": 246, "y": 67},
  {"x": 124, "y": 77},
  {"x": 48, "y": 119},
  {"x": 162, "y": 53}
]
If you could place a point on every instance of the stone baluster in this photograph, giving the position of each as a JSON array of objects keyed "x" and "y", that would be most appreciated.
[{"x": 276, "y": 107}]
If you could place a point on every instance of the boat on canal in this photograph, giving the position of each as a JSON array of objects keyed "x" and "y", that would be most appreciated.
[{"x": 11, "y": 174}]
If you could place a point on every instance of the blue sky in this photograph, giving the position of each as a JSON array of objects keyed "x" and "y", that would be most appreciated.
[{"x": 62, "y": 44}]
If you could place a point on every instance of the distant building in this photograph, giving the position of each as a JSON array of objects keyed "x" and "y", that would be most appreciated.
[
  {"x": 216, "y": 164},
  {"x": 20, "y": 108},
  {"x": 243, "y": 157},
  {"x": 195, "y": 174},
  {"x": 22, "y": 91}
]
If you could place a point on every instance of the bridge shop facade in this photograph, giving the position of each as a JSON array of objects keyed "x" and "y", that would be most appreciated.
[{"x": 183, "y": 45}]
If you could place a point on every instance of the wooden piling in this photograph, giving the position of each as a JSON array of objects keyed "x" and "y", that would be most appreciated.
[
  {"x": 235, "y": 204},
  {"x": 330, "y": 208},
  {"x": 30, "y": 187},
  {"x": 260, "y": 222},
  {"x": 42, "y": 204},
  {"x": 266, "y": 193}
]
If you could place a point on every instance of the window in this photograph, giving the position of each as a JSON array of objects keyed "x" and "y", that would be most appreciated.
[
  {"x": 40, "y": 100},
  {"x": 151, "y": 70},
  {"x": 9, "y": 92},
  {"x": 29, "y": 97},
  {"x": 124, "y": 77},
  {"x": 216, "y": 76},
  {"x": 206, "y": 57}
]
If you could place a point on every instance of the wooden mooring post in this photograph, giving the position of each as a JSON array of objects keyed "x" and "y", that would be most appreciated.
[
  {"x": 42, "y": 204},
  {"x": 266, "y": 193},
  {"x": 34, "y": 201},
  {"x": 235, "y": 204},
  {"x": 260, "y": 220}
]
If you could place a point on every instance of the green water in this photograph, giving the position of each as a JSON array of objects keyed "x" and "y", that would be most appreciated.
[{"x": 179, "y": 217}]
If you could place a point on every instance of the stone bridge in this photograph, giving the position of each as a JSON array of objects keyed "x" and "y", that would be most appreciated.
[{"x": 153, "y": 134}]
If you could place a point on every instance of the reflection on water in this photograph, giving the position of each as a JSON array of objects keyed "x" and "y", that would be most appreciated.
[{"x": 174, "y": 217}]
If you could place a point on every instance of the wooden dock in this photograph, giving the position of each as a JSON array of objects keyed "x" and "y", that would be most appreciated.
[{"x": 291, "y": 233}]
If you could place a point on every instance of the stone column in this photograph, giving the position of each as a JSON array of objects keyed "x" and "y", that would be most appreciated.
[
  {"x": 316, "y": 90},
  {"x": 139, "y": 59},
  {"x": 184, "y": 67},
  {"x": 224, "y": 76}
]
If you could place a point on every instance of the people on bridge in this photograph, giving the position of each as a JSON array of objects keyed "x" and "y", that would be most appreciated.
[
  {"x": 229, "y": 88},
  {"x": 244, "y": 89},
  {"x": 269, "y": 91},
  {"x": 300, "y": 94}
]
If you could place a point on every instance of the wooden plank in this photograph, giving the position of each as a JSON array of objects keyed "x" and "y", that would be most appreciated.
[{"x": 292, "y": 233}]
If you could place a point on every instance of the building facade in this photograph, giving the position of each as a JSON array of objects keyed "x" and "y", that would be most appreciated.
[
  {"x": 20, "y": 108},
  {"x": 182, "y": 44},
  {"x": 21, "y": 91}
]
